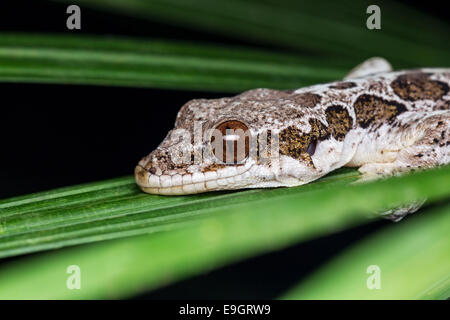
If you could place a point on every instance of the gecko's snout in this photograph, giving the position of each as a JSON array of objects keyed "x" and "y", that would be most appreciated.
[
  {"x": 148, "y": 179},
  {"x": 141, "y": 175}
]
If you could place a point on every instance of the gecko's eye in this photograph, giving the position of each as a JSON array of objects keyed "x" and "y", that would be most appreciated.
[
  {"x": 230, "y": 141},
  {"x": 312, "y": 147}
]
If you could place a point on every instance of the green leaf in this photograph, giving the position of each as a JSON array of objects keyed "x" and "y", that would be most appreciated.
[
  {"x": 115, "y": 209},
  {"x": 329, "y": 28},
  {"x": 413, "y": 258},
  {"x": 154, "y": 63},
  {"x": 230, "y": 232}
]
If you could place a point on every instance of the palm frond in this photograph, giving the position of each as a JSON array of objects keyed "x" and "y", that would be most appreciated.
[{"x": 198, "y": 237}]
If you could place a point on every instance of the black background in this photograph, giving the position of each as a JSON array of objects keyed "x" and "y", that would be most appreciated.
[{"x": 60, "y": 135}]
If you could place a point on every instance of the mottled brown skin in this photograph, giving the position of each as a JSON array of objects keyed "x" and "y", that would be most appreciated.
[
  {"x": 307, "y": 99},
  {"x": 383, "y": 123},
  {"x": 418, "y": 86},
  {"x": 339, "y": 121},
  {"x": 413, "y": 119},
  {"x": 295, "y": 144},
  {"x": 343, "y": 85},
  {"x": 166, "y": 162},
  {"x": 371, "y": 109}
]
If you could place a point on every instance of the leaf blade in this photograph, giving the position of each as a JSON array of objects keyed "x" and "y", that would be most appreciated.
[
  {"x": 69, "y": 220},
  {"x": 401, "y": 252},
  {"x": 159, "y": 64},
  {"x": 335, "y": 29},
  {"x": 231, "y": 234}
]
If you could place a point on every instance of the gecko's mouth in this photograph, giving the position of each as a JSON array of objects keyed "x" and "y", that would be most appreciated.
[{"x": 230, "y": 177}]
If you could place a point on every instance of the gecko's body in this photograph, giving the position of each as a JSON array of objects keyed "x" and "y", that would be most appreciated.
[{"x": 380, "y": 121}]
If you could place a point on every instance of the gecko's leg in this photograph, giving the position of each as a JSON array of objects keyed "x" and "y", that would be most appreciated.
[
  {"x": 370, "y": 66},
  {"x": 432, "y": 148},
  {"x": 398, "y": 213}
]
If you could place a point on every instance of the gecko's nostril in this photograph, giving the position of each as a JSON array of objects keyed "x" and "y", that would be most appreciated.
[{"x": 152, "y": 170}]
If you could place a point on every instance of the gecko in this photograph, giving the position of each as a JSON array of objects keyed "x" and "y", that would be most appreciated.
[{"x": 381, "y": 121}]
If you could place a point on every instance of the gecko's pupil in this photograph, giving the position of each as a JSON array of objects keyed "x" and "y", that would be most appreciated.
[
  {"x": 231, "y": 142},
  {"x": 312, "y": 147}
]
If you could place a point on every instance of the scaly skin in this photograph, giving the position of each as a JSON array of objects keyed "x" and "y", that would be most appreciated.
[{"x": 380, "y": 121}]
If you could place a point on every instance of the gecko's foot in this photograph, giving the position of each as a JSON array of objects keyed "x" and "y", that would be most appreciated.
[
  {"x": 398, "y": 213},
  {"x": 373, "y": 171}
]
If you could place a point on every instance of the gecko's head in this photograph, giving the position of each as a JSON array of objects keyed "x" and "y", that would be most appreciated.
[{"x": 247, "y": 141}]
